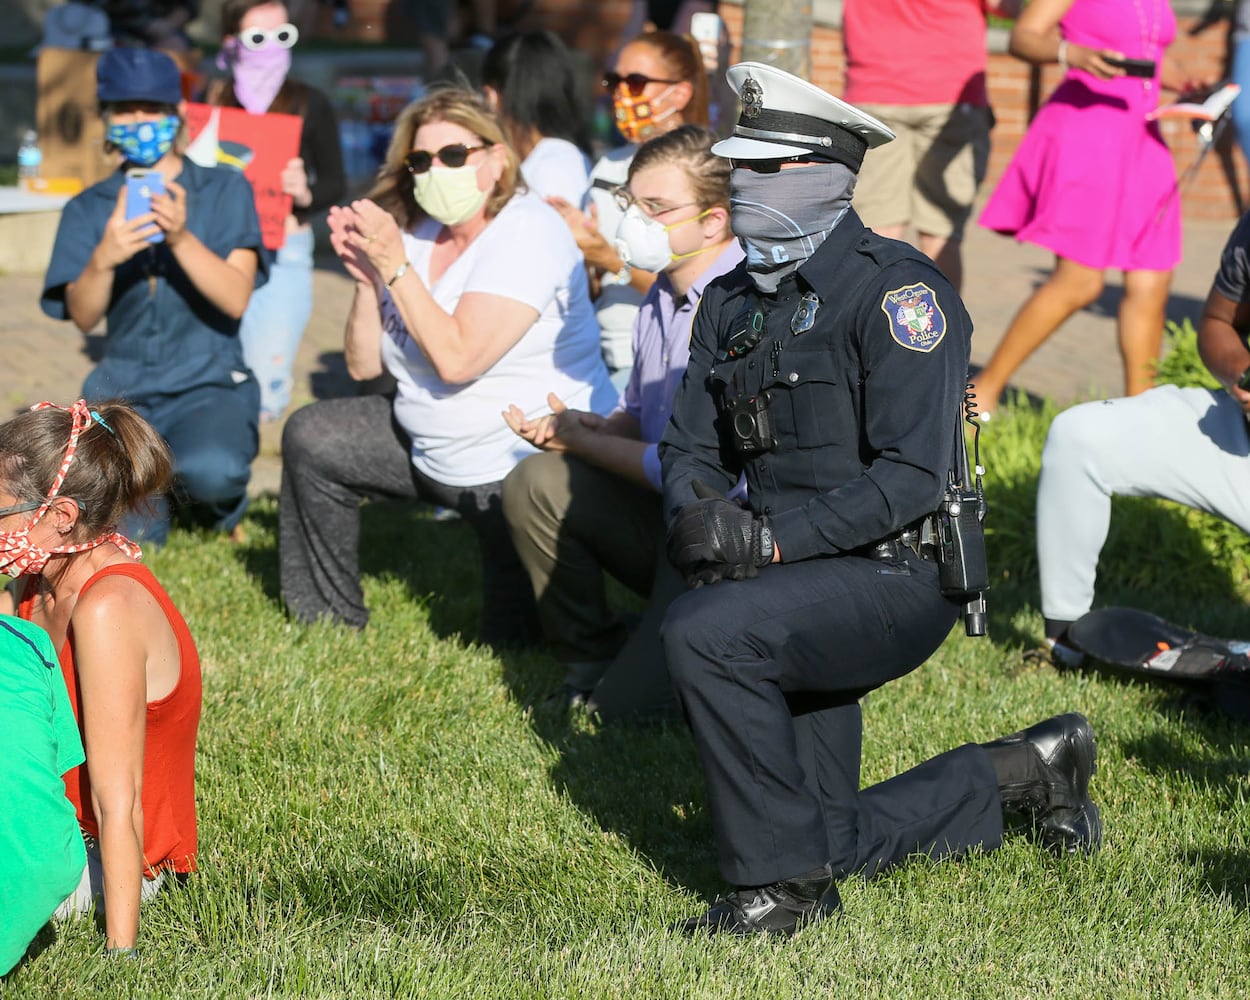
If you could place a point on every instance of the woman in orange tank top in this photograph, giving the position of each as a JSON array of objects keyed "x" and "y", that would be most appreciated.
[{"x": 67, "y": 477}]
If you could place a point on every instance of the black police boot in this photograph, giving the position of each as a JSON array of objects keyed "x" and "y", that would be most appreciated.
[
  {"x": 779, "y": 908},
  {"x": 1043, "y": 778}
]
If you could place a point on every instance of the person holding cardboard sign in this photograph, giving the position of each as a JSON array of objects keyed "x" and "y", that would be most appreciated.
[
  {"x": 258, "y": 37},
  {"x": 172, "y": 309}
]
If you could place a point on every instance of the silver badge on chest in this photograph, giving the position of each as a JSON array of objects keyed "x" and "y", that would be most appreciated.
[{"x": 804, "y": 317}]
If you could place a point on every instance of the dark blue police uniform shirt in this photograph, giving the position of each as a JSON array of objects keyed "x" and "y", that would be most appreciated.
[
  {"x": 163, "y": 337},
  {"x": 863, "y": 405}
]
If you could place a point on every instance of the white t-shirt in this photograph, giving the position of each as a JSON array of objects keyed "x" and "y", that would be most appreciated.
[
  {"x": 525, "y": 253},
  {"x": 557, "y": 167},
  {"x": 617, "y": 305}
]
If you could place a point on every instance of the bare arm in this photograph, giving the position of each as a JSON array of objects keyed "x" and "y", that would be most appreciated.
[
  {"x": 1220, "y": 345},
  {"x": 87, "y": 296},
  {"x": 460, "y": 345},
  {"x": 362, "y": 339},
  {"x": 599, "y": 254},
  {"x": 226, "y": 282},
  {"x": 110, "y": 657},
  {"x": 1036, "y": 39},
  {"x": 1175, "y": 75}
]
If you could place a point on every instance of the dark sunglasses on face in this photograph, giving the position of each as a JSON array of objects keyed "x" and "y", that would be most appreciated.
[
  {"x": 454, "y": 155},
  {"x": 636, "y": 82},
  {"x": 285, "y": 35},
  {"x": 767, "y": 166}
]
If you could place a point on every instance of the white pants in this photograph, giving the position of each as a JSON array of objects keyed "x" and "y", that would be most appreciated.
[
  {"x": 90, "y": 891},
  {"x": 1187, "y": 445}
]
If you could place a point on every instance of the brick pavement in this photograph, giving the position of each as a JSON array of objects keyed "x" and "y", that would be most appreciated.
[{"x": 44, "y": 359}]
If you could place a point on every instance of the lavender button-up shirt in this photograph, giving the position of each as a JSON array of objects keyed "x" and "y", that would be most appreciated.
[{"x": 661, "y": 352}]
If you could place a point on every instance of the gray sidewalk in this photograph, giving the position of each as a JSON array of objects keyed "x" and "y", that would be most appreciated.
[{"x": 45, "y": 359}]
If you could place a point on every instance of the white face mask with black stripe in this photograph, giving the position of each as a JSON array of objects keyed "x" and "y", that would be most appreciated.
[{"x": 783, "y": 217}]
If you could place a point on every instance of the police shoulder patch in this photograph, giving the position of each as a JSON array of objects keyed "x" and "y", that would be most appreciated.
[{"x": 916, "y": 320}]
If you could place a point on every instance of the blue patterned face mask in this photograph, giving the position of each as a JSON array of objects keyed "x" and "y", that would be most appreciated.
[{"x": 144, "y": 143}]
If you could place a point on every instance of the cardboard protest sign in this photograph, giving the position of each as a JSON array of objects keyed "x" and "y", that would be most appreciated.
[
  {"x": 258, "y": 145},
  {"x": 71, "y": 132}
]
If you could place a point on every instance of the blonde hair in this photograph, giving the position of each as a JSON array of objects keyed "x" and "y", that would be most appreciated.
[
  {"x": 689, "y": 147},
  {"x": 457, "y": 106}
]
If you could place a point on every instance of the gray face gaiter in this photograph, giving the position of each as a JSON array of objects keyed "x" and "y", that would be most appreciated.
[{"x": 782, "y": 218}]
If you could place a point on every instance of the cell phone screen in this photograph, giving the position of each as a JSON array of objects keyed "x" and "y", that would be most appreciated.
[{"x": 141, "y": 185}]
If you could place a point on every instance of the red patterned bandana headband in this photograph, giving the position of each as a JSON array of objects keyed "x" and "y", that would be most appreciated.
[{"x": 18, "y": 555}]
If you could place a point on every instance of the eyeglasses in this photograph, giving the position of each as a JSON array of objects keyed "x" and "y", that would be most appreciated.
[
  {"x": 21, "y": 508},
  {"x": 29, "y": 505},
  {"x": 285, "y": 35},
  {"x": 768, "y": 166},
  {"x": 636, "y": 82},
  {"x": 651, "y": 208},
  {"x": 455, "y": 155}
]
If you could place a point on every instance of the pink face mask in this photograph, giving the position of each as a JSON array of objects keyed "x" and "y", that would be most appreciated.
[
  {"x": 258, "y": 73},
  {"x": 21, "y": 557}
]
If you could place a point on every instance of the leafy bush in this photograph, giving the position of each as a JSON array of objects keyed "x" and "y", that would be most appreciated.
[{"x": 1182, "y": 365}]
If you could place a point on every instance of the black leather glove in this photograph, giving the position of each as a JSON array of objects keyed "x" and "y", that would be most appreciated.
[{"x": 714, "y": 539}]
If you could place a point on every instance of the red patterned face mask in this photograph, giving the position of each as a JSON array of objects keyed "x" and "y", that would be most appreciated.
[{"x": 21, "y": 557}]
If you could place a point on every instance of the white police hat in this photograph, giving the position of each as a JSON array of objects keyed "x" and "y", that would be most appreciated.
[{"x": 784, "y": 115}]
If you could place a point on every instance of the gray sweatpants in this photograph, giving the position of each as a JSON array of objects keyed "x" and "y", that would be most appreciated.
[
  {"x": 339, "y": 451},
  {"x": 1187, "y": 445}
]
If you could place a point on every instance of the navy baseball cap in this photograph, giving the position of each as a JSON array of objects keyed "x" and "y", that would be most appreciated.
[{"x": 130, "y": 74}]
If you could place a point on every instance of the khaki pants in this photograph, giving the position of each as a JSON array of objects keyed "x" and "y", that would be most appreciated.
[
  {"x": 928, "y": 176},
  {"x": 571, "y": 523}
]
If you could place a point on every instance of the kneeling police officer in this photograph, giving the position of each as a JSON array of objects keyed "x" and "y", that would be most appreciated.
[{"x": 829, "y": 370}]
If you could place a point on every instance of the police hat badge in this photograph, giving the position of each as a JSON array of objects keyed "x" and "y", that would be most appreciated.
[{"x": 784, "y": 115}]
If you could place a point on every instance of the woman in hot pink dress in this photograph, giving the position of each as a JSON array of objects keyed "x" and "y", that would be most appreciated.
[{"x": 1093, "y": 180}]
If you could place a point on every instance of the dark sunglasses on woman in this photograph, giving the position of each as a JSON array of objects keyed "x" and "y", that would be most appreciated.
[
  {"x": 636, "y": 82},
  {"x": 454, "y": 155}
]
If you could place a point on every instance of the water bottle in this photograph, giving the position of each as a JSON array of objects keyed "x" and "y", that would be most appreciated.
[{"x": 29, "y": 157}]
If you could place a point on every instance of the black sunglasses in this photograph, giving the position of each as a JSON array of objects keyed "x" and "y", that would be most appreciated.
[
  {"x": 636, "y": 82},
  {"x": 768, "y": 166},
  {"x": 455, "y": 155}
]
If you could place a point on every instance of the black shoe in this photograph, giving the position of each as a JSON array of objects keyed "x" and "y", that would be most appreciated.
[
  {"x": 565, "y": 698},
  {"x": 1044, "y": 774},
  {"x": 780, "y": 908}
]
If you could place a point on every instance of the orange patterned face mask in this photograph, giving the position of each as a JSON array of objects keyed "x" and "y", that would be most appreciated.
[
  {"x": 636, "y": 119},
  {"x": 21, "y": 557}
]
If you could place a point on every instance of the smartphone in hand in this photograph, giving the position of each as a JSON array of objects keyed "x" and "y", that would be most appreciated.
[
  {"x": 1144, "y": 68},
  {"x": 141, "y": 185}
]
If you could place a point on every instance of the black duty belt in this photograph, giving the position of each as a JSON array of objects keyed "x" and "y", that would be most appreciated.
[{"x": 899, "y": 545}]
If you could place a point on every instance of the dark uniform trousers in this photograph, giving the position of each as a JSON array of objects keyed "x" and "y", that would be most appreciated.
[
  {"x": 842, "y": 415},
  {"x": 770, "y": 671}
]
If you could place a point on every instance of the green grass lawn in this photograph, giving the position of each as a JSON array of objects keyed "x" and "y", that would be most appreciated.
[{"x": 380, "y": 815}]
